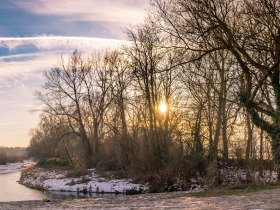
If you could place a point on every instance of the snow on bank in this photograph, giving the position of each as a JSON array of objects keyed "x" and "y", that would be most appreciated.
[
  {"x": 14, "y": 167},
  {"x": 58, "y": 181},
  {"x": 230, "y": 176}
]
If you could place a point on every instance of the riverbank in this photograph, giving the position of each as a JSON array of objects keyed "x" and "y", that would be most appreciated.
[
  {"x": 14, "y": 167},
  {"x": 53, "y": 179},
  {"x": 265, "y": 199},
  {"x": 63, "y": 179}
]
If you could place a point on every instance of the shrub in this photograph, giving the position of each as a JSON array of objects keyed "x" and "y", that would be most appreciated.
[
  {"x": 3, "y": 158},
  {"x": 52, "y": 162}
]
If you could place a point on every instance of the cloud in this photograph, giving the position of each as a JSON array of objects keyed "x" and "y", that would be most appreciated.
[
  {"x": 119, "y": 11},
  {"x": 61, "y": 42},
  {"x": 16, "y": 69},
  {"x": 24, "y": 69}
]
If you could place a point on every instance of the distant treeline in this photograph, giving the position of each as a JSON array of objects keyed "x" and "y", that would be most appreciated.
[{"x": 12, "y": 154}]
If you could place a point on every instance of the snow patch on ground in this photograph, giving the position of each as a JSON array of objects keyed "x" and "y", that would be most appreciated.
[
  {"x": 231, "y": 176},
  {"x": 14, "y": 167},
  {"x": 91, "y": 183}
]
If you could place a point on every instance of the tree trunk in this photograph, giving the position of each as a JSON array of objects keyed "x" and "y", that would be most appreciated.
[
  {"x": 249, "y": 137},
  {"x": 125, "y": 140},
  {"x": 275, "y": 144},
  {"x": 198, "y": 147},
  {"x": 95, "y": 138},
  {"x": 261, "y": 144},
  {"x": 87, "y": 148},
  {"x": 214, "y": 152},
  {"x": 224, "y": 130}
]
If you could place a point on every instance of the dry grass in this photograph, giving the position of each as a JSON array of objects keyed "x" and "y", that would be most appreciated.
[
  {"x": 221, "y": 191},
  {"x": 118, "y": 174}
]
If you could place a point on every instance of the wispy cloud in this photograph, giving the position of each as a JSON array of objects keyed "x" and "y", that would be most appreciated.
[
  {"x": 17, "y": 69},
  {"x": 61, "y": 42},
  {"x": 119, "y": 11},
  {"x": 26, "y": 68}
]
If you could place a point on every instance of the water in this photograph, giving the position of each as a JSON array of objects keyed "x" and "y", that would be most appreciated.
[{"x": 11, "y": 190}]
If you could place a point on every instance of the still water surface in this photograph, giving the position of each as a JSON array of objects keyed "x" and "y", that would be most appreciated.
[{"x": 11, "y": 190}]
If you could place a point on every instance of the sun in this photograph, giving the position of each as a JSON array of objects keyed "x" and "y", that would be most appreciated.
[{"x": 163, "y": 107}]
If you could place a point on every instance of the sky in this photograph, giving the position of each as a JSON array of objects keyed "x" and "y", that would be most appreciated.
[{"x": 35, "y": 33}]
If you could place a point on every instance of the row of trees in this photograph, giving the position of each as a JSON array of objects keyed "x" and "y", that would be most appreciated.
[
  {"x": 12, "y": 154},
  {"x": 214, "y": 64}
]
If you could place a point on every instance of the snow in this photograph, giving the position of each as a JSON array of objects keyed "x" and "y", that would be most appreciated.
[
  {"x": 93, "y": 183},
  {"x": 54, "y": 180},
  {"x": 231, "y": 176},
  {"x": 14, "y": 167}
]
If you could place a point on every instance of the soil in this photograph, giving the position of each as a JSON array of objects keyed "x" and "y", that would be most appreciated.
[{"x": 266, "y": 199}]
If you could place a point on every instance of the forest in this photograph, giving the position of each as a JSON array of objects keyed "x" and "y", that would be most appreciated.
[{"x": 197, "y": 83}]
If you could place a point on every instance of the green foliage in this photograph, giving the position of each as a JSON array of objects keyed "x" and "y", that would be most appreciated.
[{"x": 52, "y": 162}]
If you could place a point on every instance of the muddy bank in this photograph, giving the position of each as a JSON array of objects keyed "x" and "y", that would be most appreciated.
[{"x": 266, "y": 199}]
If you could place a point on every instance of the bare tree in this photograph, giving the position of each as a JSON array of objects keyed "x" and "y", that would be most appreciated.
[
  {"x": 98, "y": 83},
  {"x": 153, "y": 81},
  {"x": 122, "y": 79},
  {"x": 210, "y": 82},
  {"x": 62, "y": 95},
  {"x": 249, "y": 30}
]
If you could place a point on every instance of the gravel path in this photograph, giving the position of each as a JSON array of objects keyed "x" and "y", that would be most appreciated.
[{"x": 266, "y": 199}]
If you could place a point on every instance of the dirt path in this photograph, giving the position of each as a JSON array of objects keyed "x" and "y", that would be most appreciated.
[{"x": 267, "y": 199}]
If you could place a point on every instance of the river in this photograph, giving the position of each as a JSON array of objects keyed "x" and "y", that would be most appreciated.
[{"x": 11, "y": 190}]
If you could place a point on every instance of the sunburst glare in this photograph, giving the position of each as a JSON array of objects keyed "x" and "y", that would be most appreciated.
[{"x": 163, "y": 107}]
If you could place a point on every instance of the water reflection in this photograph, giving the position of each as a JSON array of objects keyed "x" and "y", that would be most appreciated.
[
  {"x": 64, "y": 195},
  {"x": 11, "y": 190}
]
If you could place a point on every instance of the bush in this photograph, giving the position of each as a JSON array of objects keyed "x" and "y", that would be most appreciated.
[
  {"x": 52, "y": 162},
  {"x": 11, "y": 154},
  {"x": 3, "y": 159}
]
